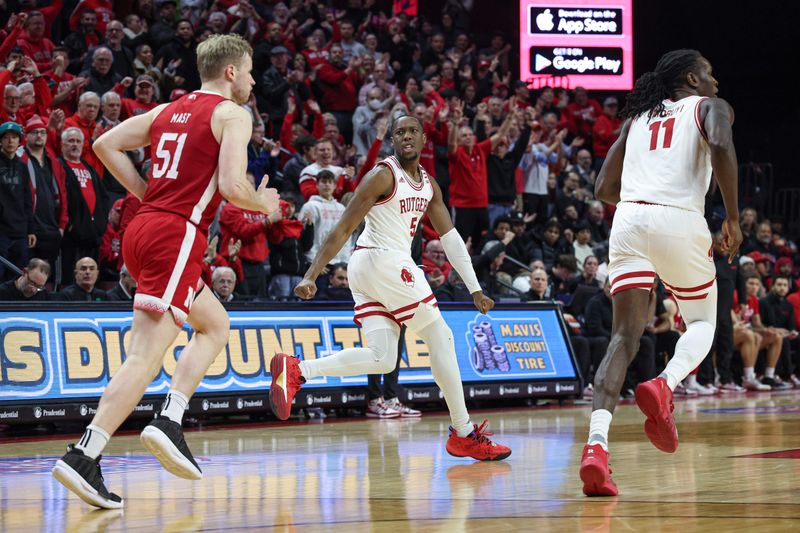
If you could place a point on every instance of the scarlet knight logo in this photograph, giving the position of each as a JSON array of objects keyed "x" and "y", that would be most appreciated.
[{"x": 407, "y": 276}]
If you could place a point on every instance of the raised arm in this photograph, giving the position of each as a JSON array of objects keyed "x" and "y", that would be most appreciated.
[
  {"x": 717, "y": 124},
  {"x": 379, "y": 182},
  {"x": 232, "y": 125},
  {"x": 455, "y": 249},
  {"x": 456, "y": 114},
  {"x": 111, "y": 146},
  {"x": 609, "y": 180},
  {"x": 502, "y": 131}
]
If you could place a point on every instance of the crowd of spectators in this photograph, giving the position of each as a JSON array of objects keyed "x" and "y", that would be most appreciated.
[{"x": 517, "y": 167}]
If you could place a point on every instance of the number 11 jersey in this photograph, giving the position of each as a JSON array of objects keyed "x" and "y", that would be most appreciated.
[
  {"x": 667, "y": 158},
  {"x": 185, "y": 154}
]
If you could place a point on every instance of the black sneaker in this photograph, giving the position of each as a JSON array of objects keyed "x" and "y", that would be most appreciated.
[
  {"x": 164, "y": 438},
  {"x": 81, "y": 474},
  {"x": 776, "y": 383}
]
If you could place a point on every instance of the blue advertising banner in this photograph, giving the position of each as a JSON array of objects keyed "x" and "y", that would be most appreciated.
[{"x": 61, "y": 354}]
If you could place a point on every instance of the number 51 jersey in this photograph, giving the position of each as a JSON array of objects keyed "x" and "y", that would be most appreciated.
[
  {"x": 667, "y": 159},
  {"x": 184, "y": 156}
]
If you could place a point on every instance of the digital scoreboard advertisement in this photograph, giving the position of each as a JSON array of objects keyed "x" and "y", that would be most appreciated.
[{"x": 574, "y": 43}]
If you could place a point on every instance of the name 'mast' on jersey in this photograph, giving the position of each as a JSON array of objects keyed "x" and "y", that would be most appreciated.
[
  {"x": 392, "y": 222},
  {"x": 667, "y": 159}
]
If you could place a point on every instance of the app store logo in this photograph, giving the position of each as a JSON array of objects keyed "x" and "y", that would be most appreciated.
[{"x": 544, "y": 20}]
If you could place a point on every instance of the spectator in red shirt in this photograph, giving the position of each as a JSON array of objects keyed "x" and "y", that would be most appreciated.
[
  {"x": 145, "y": 92},
  {"x": 582, "y": 113},
  {"x": 605, "y": 130},
  {"x": 434, "y": 121},
  {"x": 34, "y": 44},
  {"x": 250, "y": 227},
  {"x": 111, "y": 247},
  {"x": 65, "y": 87},
  {"x": 340, "y": 83},
  {"x": 84, "y": 120},
  {"x": 469, "y": 194},
  {"x": 434, "y": 258}
]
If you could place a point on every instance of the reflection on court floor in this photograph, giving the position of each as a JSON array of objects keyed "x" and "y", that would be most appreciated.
[{"x": 395, "y": 475}]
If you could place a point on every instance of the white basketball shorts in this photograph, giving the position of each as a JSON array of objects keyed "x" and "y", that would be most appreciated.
[{"x": 386, "y": 284}]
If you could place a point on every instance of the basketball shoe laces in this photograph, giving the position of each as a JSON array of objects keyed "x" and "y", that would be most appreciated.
[{"x": 481, "y": 435}]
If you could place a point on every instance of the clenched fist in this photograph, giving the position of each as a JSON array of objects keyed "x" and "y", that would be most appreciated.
[{"x": 306, "y": 289}]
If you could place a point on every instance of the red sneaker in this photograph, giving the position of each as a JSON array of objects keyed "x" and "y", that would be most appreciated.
[
  {"x": 286, "y": 381},
  {"x": 654, "y": 399},
  {"x": 476, "y": 445},
  {"x": 595, "y": 473}
]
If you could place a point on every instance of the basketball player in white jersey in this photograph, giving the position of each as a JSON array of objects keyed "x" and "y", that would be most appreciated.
[
  {"x": 390, "y": 290},
  {"x": 657, "y": 174}
]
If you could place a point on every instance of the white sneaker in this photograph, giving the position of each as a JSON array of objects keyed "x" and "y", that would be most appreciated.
[
  {"x": 731, "y": 387},
  {"x": 795, "y": 381},
  {"x": 377, "y": 408},
  {"x": 755, "y": 385},
  {"x": 699, "y": 389},
  {"x": 588, "y": 392},
  {"x": 680, "y": 390},
  {"x": 404, "y": 410}
]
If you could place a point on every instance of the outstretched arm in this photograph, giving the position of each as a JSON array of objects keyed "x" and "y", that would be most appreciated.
[
  {"x": 717, "y": 124},
  {"x": 379, "y": 182},
  {"x": 609, "y": 181},
  {"x": 129, "y": 135},
  {"x": 455, "y": 249}
]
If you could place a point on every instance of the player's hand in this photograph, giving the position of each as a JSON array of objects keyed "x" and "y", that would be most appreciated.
[
  {"x": 306, "y": 289},
  {"x": 482, "y": 302},
  {"x": 268, "y": 198},
  {"x": 731, "y": 238}
]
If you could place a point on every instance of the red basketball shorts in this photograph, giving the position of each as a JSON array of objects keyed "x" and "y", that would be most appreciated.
[{"x": 164, "y": 254}]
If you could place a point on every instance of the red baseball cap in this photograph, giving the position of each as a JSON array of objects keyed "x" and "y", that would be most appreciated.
[{"x": 758, "y": 257}]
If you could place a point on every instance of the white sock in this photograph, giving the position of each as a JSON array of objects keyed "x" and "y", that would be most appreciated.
[
  {"x": 93, "y": 441},
  {"x": 444, "y": 366},
  {"x": 381, "y": 352},
  {"x": 691, "y": 380},
  {"x": 691, "y": 349},
  {"x": 749, "y": 373},
  {"x": 598, "y": 428},
  {"x": 174, "y": 406},
  {"x": 769, "y": 372}
]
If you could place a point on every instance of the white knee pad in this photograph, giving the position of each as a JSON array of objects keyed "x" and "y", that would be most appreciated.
[{"x": 383, "y": 345}]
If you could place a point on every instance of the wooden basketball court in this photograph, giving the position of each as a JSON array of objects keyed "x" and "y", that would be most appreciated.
[{"x": 737, "y": 469}]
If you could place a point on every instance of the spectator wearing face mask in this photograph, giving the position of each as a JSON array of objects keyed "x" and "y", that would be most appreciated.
[{"x": 365, "y": 121}]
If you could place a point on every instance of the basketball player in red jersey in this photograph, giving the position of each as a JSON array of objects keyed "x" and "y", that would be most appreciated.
[
  {"x": 199, "y": 146},
  {"x": 390, "y": 290},
  {"x": 657, "y": 173}
]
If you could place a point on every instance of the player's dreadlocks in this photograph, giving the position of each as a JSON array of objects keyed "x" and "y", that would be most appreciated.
[{"x": 653, "y": 87}]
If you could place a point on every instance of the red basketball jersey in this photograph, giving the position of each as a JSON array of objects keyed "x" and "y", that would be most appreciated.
[{"x": 184, "y": 161}]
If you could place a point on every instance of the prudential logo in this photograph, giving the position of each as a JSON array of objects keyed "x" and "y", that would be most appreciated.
[{"x": 544, "y": 21}]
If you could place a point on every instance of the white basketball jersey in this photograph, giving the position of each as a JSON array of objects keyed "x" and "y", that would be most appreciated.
[
  {"x": 392, "y": 222},
  {"x": 667, "y": 159}
]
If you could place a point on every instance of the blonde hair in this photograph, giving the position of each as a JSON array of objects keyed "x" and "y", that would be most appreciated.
[{"x": 219, "y": 51}]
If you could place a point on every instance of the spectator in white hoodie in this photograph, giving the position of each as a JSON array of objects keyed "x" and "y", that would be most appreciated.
[{"x": 324, "y": 211}]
